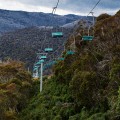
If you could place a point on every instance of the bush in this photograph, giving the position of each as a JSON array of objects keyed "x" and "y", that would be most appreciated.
[
  {"x": 82, "y": 86},
  {"x": 97, "y": 116}
]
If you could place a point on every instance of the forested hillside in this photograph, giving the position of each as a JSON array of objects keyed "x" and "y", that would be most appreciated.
[
  {"x": 24, "y": 44},
  {"x": 85, "y": 86},
  {"x": 12, "y": 20}
]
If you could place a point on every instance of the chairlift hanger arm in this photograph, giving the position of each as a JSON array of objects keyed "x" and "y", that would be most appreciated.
[
  {"x": 94, "y": 7},
  {"x": 42, "y": 53},
  {"x": 54, "y": 8}
]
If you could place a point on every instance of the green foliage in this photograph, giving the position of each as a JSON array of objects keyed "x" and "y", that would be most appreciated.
[
  {"x": 118, "y": 101},
  {"x": 82, "y": 87},
  {"x": 85, "y": 86},
  {"x": 115, "y": 72},
  {"x": 75, "y": 117},
  {"x": 97, "y": 116},
  {"x": 54, "y": 102},
  {"x": 58, "y": 117}
]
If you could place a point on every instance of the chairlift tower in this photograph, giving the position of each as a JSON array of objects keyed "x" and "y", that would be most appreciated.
[
  {"x": 93, "y": 17},
  {"x": 41, "y": 77},
  {"x": 41, "y": 57},
  {"x": 93, "y": 21}
]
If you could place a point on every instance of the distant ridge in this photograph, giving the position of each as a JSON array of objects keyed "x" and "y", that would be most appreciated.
[{"x": 12, "y": 20}]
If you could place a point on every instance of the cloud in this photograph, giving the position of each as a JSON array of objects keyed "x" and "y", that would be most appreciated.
[
  {"x": 81, "y": 7},
  {"x": 16, "y": 5}
]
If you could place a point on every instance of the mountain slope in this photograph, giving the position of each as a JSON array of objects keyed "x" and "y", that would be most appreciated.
[
  {"x": 86, "y": 85},
  {"x": 11, "y": 20},
  {"x": 24, "y": 44}
]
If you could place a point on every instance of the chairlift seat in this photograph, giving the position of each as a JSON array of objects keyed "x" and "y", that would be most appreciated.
[
  {"x": 34, "y": 69},
  {"x": 48, "y": 65},
  {"x": 43, "y": 57},
  {"x": 87, "y": 38},
  {"x": 35, "y": 66},
  {"x": 48, "y": 49},
  {"x": 40, "y": 61},
  {"x": 57, "y": 34},
  {"x": 60, "y": 58},
  {"x": 70, "y": 52}
]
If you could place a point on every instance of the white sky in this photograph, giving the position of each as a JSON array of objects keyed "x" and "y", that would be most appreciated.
[
  {"x": 15, "y": 5},
  {"x": 32, "y": 6}
]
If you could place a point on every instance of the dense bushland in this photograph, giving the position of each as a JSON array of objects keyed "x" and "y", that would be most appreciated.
[
  {"x": 85, "y": 86},
  {"x": 16, "y": 88}
]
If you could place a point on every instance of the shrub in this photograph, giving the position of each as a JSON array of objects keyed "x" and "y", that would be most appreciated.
[{"x": 82, "y": 86}]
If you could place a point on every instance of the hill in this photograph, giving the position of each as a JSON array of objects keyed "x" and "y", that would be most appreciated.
[
  {"x": 12, "y": 20},
  {"x": 24, "y": 44},
  {"x": 86, "y": 85}
]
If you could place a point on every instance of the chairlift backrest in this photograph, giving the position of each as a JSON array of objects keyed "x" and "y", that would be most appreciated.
[
  {"x": 87, "y": 38},
  {"x": 40, "y": 61},
  {"x": 43, "y": 57},
  {"x": 48, "y": 49},
  {"x": 34, "y": 69},
  {"x": 60, "y": 58},
  {"x": 70, "y": 52},
  {"x": 35, "y": 66},
  {"x": 57, "y": 34}
]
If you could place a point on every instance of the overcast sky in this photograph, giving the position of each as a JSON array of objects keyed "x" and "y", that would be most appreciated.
[{"x": 81, "y": 7}]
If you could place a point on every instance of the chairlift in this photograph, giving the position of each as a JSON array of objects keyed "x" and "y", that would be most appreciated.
[
  {"x": 61, "y": 59},
  {"x": 87, "y": 38},
  {"x": 48, "y": 49},
  {"x": 70, "y": 52},
  {"x": 43, "y": 57},
  {"x": 57, "y": 34},
  {"x": 48, "y": 65},
  {"x": 34, "y": 69},
  {"x": 40, "y": 61}
]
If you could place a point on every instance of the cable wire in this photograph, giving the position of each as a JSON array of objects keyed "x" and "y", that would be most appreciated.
[
  {"x": 94, "y": 7},
  {"x": 54, "y": 8}
]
